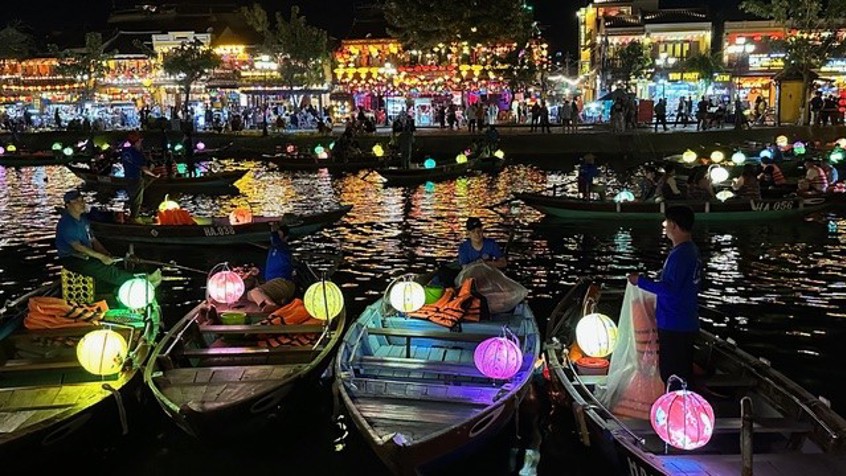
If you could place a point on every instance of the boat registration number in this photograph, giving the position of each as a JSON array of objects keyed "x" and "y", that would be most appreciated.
[
  {"x": 218, "y": 230},
  {"x": 774, "y": 206}
]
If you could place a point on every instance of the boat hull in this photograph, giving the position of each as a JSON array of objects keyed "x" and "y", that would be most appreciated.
[
  {"x": 405, "y": 177},
  {"x": 211, "y": 182},
  {"x": 38, "y": 160}
]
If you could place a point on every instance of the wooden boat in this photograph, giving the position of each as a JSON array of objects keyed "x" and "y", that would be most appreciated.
[
  {"x": 490, "y": 164},
  {"x": 214, "y": 231},
  {"x": 214, "y": 181},
  {"x": 732, "y": 209},
  {"x": 791, "y": 431},
  {"x": 396, "y": 176},
  {"x": 47, "y": 399},
  {"x": 217, "y": 381},
  {"x": 38, "y": 159},
  {"x": 286, "y": 162},
  {"x": 414, "y": 392}
]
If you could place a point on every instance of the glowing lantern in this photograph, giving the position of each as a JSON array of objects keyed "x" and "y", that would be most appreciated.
[
  {"x": 57, "y": 146},
  {"x": 689, "y": 156},
  {"x": 378, "y": 151},
  {"x": 11, "y": 148},
  {"x": 178, "y": 148},
  {"x": 126, "y": 145},
  {"x": 499, "y": 154},
  {"x": 102, "y": 352},
  {"x": 225, "y": 286},
  {"x": 717, "y": 156},
  {"x": 407, "y": 296},
  {"x": 498, "y": 357},
  {"x": 841, "y": 143},
  {"x": 766, "y": 153},
  {"x": 168, "y": 204},
  {"x": 240, "y": 216},
  {"x": 468, "y": 151},
  {"x": 2, "y": 150},
  {"x": 781, "y": 141},
  {"x": 718, "y": 174},
  {"x": 596, "y": 335},
  {"x": 201, "y": 146},
  {"x": 724, "y": 195},
  {"x": 68, "y": 151},
  {"x": 136, "y": 293},
  {"x": 738, "y": 158},
  {"x": 799, "y": 148},
  {"x": 323, "y": 155},
  {"x": 683, "y": 419},
  {"x": 836, "y": 155},
  {"x": 318, "y": 149},
  {"x": 323, "y": 300},
  {"x": 461, "y": 158},
  {"x": 105, "y": 147},
  {"x": 624, "y": 196},
  {"x": 291, "y": 149},
  {"x": 430, "y": 163},
  {"x": 331, "y": 145}
]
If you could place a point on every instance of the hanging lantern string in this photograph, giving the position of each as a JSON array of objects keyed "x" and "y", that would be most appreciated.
[{"x": 325, "y": 295}]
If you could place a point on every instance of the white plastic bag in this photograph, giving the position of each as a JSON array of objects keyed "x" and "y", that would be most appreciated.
[
  {"x": 502, "y": 293},
  {"x": 634, "y": 381}
]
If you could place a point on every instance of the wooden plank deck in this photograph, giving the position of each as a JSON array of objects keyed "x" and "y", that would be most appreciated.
[
  {"x": 218, "y": 385},
  {"x": 415, "y": 419},
  {"x": 773, "y": 464}
]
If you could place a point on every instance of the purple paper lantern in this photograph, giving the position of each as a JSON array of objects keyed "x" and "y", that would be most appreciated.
[{"x": 498, "y": 357}]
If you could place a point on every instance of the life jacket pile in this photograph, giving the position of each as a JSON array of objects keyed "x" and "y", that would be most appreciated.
[
  {"x": 292, "y": 314},
  {"x": 453, "y": 307},
  {"x": 46, "y": 312},
  {"x": 177, "y": 216}
]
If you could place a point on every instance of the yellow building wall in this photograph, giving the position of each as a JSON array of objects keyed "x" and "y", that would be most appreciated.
[{"x": 790, "y": 99}]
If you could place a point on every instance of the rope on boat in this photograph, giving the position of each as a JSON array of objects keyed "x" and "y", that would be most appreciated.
[{"x": 121, "y": 410}]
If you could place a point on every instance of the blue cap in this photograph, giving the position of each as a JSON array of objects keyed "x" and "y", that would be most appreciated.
[{"x": 72, "y": 195}]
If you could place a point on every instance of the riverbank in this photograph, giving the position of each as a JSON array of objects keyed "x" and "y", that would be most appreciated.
[{"x": 518, "y": 142}]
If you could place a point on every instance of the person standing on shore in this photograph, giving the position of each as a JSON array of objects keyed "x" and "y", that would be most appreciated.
[
  {"x": 661, "y": 114},
  {"x": 681, "y": 113},
  {"x": 565, "y": 115},
  {"x": 544, "y": 118},
  {"x": 677, "y": 291}
]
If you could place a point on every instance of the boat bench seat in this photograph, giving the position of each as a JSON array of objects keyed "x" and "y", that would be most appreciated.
[
  {"x": 259, "y": 329},
  {"x": 251, "y": 351},
  {"x": 733, "y": 425},
  {"x": 437, "y": 367},
  {"x": 30, "y": 365}
]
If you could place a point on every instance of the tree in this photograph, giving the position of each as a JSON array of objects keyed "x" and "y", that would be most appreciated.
[
  {"x": 300, "y": 50},
  {"x": 706, "y": 65},
  {"x": 631, "y": 61},
  {"x": 189, "y": 62},
  {"x": 15, "y": 41},
  {"x": 87, "y": 65},
  {"x": 812, "y": 37},
  {"x": 423, "y": 24}
]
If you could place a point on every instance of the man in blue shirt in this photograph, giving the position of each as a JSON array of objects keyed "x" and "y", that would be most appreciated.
[
  {"x": 135, "y": 170},
  {"x": 81, "y": 253},
  {"x": 280, "y": 262},
  {"x": 677, "y": 290},
  {"x": 478, "y": 248}
]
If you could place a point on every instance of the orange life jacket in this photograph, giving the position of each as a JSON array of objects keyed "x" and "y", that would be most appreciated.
[
  {"x": 292, "y": 314},
  {"x": 46, "y": 312},
  {"x": 178, "y": 216},
  {"x": 452, "y": 307}
]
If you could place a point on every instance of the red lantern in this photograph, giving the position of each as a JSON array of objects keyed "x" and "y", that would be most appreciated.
[
  {"x": 683, "y": 419},
  {"x": 498, "y": 357},
  {"x": 225, "y": 286}
]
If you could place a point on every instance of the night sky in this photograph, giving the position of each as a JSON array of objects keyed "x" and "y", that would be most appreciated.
[{"x": 557, "y": 17}]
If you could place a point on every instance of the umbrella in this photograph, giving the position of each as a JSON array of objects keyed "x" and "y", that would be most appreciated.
[{"x": 617, "y": 93}]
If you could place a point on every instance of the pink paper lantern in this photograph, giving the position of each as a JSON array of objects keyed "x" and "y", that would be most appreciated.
[
  {"x": 683, "y": 419},
  {"x": 498, "y": 357},
  {"x": 226, "y": 287},
  {"x": 201, "y": 146}
]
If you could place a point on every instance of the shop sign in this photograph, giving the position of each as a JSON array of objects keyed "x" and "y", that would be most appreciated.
[
  {"x": 773, "y": 61},
  {"x": 837, "y": 65},
  {"x": 722, "y": 78},
  {"x": 690, "y": 76}
]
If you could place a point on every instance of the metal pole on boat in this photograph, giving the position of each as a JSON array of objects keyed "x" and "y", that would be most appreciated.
[{"x": 746, "y": 436}]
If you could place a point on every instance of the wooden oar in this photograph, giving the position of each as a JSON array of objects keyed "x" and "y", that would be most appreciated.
[{"x": 135, "y": 259}]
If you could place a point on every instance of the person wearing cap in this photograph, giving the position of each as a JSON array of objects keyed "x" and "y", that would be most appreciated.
[
  {"x": 478, "y": 248},
  {"x": 279, "y": 286},
  {"x": 135, "y": 170},
  {"x": 81, "y": 253},
  {"x": 677, "y": 291}
]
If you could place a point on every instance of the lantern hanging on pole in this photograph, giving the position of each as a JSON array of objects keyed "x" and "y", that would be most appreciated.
[
  {"x": 407, "y": 295},
  {"x": 102, "y": 352},
  {"x": 781, "y": 141},
  {"x": 323, "y": 300},
  {"x": 499, "y": 357},
  {"x": 596, "y": 335},
  {"x": 224, "y": 285},
  {"x": 683, "y": 419}
]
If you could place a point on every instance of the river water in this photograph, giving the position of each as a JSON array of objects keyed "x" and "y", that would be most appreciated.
[{"x": 780, "y": 284}]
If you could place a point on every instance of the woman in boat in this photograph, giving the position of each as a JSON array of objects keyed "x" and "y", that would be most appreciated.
[
  {"x": 747, "y": 186},
  {"x": 668, "y": 188},
  {"x": 677, "y": 290},
  {"x": 699, "y": 186},
  {"x": 646, "y": 184}
]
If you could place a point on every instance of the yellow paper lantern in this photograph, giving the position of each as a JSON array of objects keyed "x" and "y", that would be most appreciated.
[
  {"x": 102, "y": 352},
  {"x": 596, "y": 335},
  {"x": 781, "y": 141},
  {"x": 717, "y": 156},
  {"x": 499, "y": 154},
  {"x": 461, "y": 159},
  {"x": 407, "y": 296},
  {"x": 323, "y": 300},
  {"x": 689, "y": 156},
  {"x": 168, "y": 204},
  {"x": 378, "y": 151}
]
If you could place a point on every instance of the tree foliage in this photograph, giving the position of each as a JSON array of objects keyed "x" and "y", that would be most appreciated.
[
  {"x": 15, "y": 41},
  {"x": 631, "y": 61},
  {"x": 423, "y": 24},
  {"x": 707, "y": 65},
  {"x": 812, "y": 37},
  {"x": 87, "y": 64},
  {"x": 300, "y": 50},
  {"x": 189, "y": 62}
]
